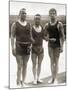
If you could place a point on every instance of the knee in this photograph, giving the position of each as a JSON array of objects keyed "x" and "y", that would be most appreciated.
[
  {"x": 53, "y": 65},
  {"x": 39, "y": 64},
  {"x": 19, "y": 68},
  {"x": 25, "y": 66},
  {"x": 34, "y": 65}
]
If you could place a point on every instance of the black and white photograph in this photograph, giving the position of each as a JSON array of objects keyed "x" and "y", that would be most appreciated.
[{"x": 37, "y": 34}]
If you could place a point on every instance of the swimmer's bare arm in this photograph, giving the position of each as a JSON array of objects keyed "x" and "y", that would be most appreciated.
[
  {"x": 31, "y": 39},
  {"x": 61, "y": 30},
  {"x": 62, "y": 36},
  {"x": 13, "y": 38}
]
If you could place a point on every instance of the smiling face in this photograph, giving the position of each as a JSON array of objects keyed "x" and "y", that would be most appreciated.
[
  {"x": 52, "y": 13},
  {"x": 37, "y": 19},
  {"x": 22, "y": 14}
]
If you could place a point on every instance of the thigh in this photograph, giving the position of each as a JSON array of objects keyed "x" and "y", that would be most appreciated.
[
  {"x": 34, "y": 58},
  {"x": 56, "y": 54},
  {"x": 19, "y": 60},
  {"x": 51, "y": 53},
  {"x": 40, "y": 58},
  {"x": 25, "y": 59}
]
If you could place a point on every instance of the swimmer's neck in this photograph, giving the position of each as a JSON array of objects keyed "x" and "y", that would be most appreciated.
[
  {"x": 22, "y": 20},
  {"x": 37, "y": 25},
  {"x": 53, "y": 21}
]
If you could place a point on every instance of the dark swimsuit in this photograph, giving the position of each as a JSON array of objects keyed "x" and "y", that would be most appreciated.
[
  {"x": 38, "y": 37},
  {"x": 54, "y": 33},
  {"x": 22, "y": 35}
]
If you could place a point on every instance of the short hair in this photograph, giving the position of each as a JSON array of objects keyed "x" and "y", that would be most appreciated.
[
  {"x": 22, "y": 10},
  {"x": 37, "y": 15},
  {"x": 53, "y": 10}
]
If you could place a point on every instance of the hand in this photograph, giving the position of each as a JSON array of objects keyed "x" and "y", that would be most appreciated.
[
  {"x": 61, "y": 49},
  {"x": 14, "y": 52},
  {"x": 32, "y": 40},
  {"x": 46, "y": 38},
  {"x": 52, "y": 39}
]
